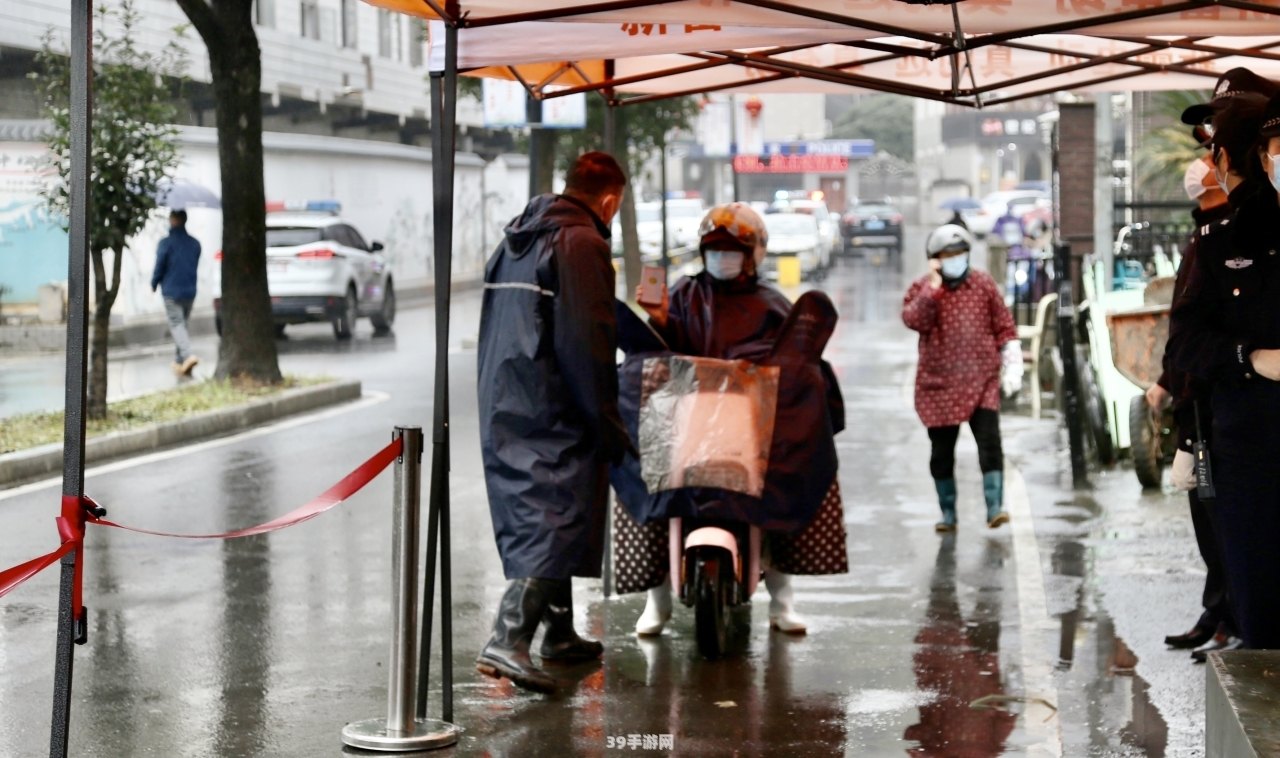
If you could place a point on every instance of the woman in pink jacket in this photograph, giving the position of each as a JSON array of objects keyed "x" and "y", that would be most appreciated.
[{"x": 966, "y": 336}]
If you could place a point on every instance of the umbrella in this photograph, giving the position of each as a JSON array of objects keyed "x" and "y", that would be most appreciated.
[
  {"x": 181, "y": 194},
  {"x": 960, "y": 204}
]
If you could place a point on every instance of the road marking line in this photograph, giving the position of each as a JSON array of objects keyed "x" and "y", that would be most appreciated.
[
  {"x": 370, "y": 398},
  {"x": 1038, "y": 632}
]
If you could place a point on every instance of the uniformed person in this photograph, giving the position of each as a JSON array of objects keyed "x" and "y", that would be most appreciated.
[
  {"x": 1225, "y": 330},
  {"x": 1192, "y": 413}
]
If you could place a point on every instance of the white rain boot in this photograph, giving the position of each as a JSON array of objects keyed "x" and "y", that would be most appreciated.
[
  {"x": 782, "y": 615},
  {"x": 657, "y": 611}
]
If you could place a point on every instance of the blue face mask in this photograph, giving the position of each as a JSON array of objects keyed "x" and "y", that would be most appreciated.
[
  {"x": 723, "y": 264},
  {"x": 955, "y": 266},
  {"x": 1274, "y": 174}
]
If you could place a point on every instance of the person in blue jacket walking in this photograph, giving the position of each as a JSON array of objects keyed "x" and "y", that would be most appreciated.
[{"x": 175, "y": 275}]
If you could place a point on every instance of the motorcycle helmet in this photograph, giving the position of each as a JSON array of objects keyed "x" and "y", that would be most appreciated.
[
  {"x": 948, "y": 238},
  {"x": 737, "y": 224}
]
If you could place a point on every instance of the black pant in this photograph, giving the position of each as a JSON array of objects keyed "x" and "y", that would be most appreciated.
[
  {"x": 1217, "y": 608},
  {"x": 986, "y": 430}
]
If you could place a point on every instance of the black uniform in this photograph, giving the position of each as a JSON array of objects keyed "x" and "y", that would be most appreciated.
[
  {"x": 1230, "y": 308},
  {"x": 1189, "y": 396}
]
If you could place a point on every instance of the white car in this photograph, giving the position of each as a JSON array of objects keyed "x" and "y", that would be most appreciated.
[
  {"x": 794, "y": 234},
  {"x": 996, "y": 205},
  {"x": 828, "y": 224},
  {"x": 319, "y": 268}
]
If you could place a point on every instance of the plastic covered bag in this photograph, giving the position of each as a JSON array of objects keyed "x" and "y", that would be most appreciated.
[{"x": 706, "y": 422}]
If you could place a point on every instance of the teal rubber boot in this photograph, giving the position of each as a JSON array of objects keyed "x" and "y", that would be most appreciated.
[
  {"x": 947, "y": 502},
  {"x": 993, "y": 491}
]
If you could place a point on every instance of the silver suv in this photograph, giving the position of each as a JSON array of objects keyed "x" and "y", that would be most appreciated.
[{"x": 319, "y": 268}]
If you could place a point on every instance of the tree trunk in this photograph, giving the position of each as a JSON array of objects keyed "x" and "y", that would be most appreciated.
[
  {"x": 248, "y": 348},
  {"x": 103, "y": 299},
  {"x": 542, "y": 143},
  {"x": 96, "y": 406}
]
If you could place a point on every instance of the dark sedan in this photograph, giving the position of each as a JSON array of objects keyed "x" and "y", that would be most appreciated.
[{"x": 872, "y": 225}]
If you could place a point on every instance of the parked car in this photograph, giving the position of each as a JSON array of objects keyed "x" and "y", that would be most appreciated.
[
  {"x": 828, "y": 224},
  {"x": 320, "y": 268},
  {"x": 793, "y": 234},
  {"x": 996, "y": 205},
  {"x": 872, "y": 225},
  {"x": 683, "y": 217}
]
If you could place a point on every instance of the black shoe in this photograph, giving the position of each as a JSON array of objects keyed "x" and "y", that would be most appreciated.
[
  {"x": 1194, "y": 638},
  {"x": 1220, "y": 643},
  {"x": 507, "y": 652},
  {"x": 560, "y": 642}
]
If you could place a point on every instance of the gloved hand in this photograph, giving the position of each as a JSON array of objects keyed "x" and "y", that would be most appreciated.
[
  {"x": 1183, "y": 472},
  {"x": 1011, "y": 367}
]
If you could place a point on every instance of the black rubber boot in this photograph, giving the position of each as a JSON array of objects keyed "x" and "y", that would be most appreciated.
[
  {"x": 507, "y": 652},
  {"x": 560, "y": 642}
]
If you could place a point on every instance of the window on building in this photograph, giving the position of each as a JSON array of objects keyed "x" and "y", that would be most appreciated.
[
  {"x": 264, "y": 13},
  {"x": 310, "y": 19},
  {"x": 417, "y": 38},
  {"x": 349, "y": 29},
  {"x": 384, "y": 33},
  {"x": 397, "y": 35}
]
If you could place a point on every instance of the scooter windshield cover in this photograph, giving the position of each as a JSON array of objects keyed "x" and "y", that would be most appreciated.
[{"x": 706, "y": 422}]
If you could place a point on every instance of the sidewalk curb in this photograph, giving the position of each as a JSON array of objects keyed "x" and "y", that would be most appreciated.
[{"x": 26, "y": 465}]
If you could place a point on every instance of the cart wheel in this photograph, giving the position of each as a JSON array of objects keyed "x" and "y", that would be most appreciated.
[
  {"x": 711, "y": 615},
  {"x": 1147, "y": 445},
  {"x": 1095, "y": 413}
]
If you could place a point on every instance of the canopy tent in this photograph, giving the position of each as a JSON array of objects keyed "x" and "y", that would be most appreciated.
[{"x": 973, "y": 52}]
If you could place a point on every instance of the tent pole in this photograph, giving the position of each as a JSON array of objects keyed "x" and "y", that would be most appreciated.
[
  {"x": 71, "y": 620},
  {"x": 449, "y": 142},
  {"x": 444, "y": 111},
  {"x": 610, "y": 147}
]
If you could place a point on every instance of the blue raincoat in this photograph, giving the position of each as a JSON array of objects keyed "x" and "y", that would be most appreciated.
[{"x": 548, "y": 389}]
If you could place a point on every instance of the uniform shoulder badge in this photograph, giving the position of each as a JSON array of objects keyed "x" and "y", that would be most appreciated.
[{"x": 1208, "y": 229}]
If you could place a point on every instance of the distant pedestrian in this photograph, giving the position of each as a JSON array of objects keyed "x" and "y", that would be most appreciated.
[
  {"x": 549, "y": 423},
  {"x": 969, "y": 351},
  {"x": 175, "y": 274}
]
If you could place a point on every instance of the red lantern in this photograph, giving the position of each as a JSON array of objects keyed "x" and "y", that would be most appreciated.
[{"x": 754, "y": 106}]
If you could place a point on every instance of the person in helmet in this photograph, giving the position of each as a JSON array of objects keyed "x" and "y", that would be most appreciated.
[
  {"x": 726, "y": 311},
  {"x": 969, "y": 351}
]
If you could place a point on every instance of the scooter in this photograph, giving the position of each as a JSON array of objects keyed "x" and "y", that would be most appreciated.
[{"x": 715, "y": 563}]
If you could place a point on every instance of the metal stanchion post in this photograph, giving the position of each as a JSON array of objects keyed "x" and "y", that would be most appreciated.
[{"x": 400, "y": 731}]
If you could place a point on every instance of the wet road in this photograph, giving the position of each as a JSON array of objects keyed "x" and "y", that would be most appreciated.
[{"x": 266, "y": 646}]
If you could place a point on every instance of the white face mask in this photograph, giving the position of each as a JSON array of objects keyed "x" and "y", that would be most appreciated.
[
  {"x": 723, "y": 264},
  {"x": 955, "y": 266},
  {"x": 1274, "y": 173}
]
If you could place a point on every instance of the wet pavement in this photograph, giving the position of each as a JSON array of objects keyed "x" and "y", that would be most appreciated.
[{"x": 1041, "y": 638}]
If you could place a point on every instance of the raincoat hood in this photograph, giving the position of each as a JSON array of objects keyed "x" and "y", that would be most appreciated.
[{"x": 548, "y": 213}]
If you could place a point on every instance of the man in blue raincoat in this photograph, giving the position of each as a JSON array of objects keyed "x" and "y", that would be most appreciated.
[{"x": 549, "y": 423}]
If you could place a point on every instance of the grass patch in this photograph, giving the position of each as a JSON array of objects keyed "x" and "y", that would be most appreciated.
[{"x": 34, "y": 429}]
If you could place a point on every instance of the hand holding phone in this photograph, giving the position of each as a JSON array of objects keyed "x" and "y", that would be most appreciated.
[
  {"x": 652, "y": 294},
  {"x": 653, "y": 286}
]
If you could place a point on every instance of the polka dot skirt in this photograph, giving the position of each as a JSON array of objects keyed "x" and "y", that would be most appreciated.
[
  {"x": 820, "y": 548},
  {"x": 641, "y": 560},
  {"x": 640, "y": 557}
]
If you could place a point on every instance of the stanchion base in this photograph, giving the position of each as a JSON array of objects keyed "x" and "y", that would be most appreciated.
[{"x": 427, "y": 734}]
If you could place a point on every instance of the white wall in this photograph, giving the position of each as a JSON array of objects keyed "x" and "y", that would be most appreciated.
[{"x": 385, "y": 191}]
